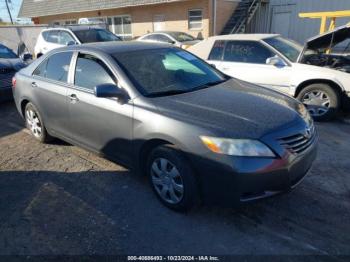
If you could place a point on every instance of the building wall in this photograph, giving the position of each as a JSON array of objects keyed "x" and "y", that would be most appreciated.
[
  {"x": 224, "y": 10},
  {"x": 175, "y": 16},
  {"x": 281, "y": 16}
]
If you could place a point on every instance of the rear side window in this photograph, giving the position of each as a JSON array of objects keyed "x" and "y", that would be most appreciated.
[
  {"x": 52, "y": 37},
  {"x": 55, "y": 67},
  {"x": 91, "y": 71},
  {"x": 217, "y": 50},
  {"x": 246, "y": 52}
]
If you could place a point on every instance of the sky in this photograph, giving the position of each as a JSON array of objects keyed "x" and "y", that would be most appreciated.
[{"x": 14, "y": 8}]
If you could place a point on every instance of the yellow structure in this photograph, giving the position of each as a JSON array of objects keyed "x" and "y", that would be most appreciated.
[{"x": 324, "y": 16}]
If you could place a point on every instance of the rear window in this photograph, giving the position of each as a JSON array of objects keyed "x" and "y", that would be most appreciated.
[{"x": 95, "y": 35}]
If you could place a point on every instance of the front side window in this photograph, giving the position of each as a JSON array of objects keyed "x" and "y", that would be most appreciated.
[
  {"x": 52, "y": 37},
  {"x": 166, "y": 71},
  {"x": 195, "y": 19},
  {"x": 55, "y": 67},
  {"x": 246, "y": 52},
  {"x": 65, "y": 38},
  {"x": 95, "y": 35},
  {"x": 91, "y": 71},
  {"x": 288, "y": 48}
]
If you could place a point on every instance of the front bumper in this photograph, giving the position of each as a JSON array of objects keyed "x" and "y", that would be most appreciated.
[
  {"x": 6, "y": 94},
  {"x": 235, "y": 180}
]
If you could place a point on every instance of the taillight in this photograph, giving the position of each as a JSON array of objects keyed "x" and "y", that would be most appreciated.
[{"x": 13, "y": 82}]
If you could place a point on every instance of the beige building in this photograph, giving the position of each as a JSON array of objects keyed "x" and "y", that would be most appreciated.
[{"x": 133, "y": 18}]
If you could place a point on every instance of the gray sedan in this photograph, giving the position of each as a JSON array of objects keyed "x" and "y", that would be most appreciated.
[{"x": 196, "y": 133}]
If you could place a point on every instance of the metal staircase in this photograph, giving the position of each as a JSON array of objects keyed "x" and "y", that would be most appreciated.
[{"x": 241, "y": 17}]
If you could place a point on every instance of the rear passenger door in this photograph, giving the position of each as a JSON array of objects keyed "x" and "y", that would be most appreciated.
[
  {"x": 101, "y": 124},
  {"x": 50, "y": 86}
]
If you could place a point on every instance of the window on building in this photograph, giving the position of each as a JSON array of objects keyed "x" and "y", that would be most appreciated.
[
  {"x": 195, "y": 19},
  {"x": 55, "y": 67},
  {"x": 246, "y": 52},
  {"x": 121, "y": 26},
  {"x": 91, "y": 71}
]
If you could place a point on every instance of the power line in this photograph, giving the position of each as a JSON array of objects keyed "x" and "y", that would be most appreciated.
[{"x": 8, "y": 10}]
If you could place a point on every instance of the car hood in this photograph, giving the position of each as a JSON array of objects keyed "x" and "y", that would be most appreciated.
[
  {"x": 336, "y": 36},
  {"x": 233, "y": 109},
  {"x": 15, "y": 63}
]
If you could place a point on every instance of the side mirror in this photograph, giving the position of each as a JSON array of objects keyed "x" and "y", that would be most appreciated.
[
  {"x": 275, "y": 61},
  {"x": 71, "y": 43},
  {"x": 172, "y": 42},
  {"x": 110, "y": 90},
  {"x": 27, "y": 57}
]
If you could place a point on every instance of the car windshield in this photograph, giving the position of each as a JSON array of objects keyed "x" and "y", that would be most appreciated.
[
  {"x": 167, "y": 71},
  {"x": 7, "y": 53},
  {"x": 288, "y": 48},
  {"x": 95, "y": 35},
  {"x": 182, "y": 37}
]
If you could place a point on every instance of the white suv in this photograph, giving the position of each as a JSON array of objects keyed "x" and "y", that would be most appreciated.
[
  {"x": 281, "y": 64},
  {"x": 57, "y": 37}
]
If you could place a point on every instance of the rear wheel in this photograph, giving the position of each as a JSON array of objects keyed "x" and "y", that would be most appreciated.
[
  {"x": 321, "y": 100},
  {"x": 35, "y": 124},
  {"x": 172, "y": 179}
]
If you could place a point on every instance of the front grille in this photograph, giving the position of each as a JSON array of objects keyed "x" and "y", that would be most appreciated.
[{"x": 298, "y": 143}]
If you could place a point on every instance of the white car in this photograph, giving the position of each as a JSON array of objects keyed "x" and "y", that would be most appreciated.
[
  {"x": 275, "y": 62},
  {"x": 179, "y": 39},
  {"x": 58, "y": 37}
]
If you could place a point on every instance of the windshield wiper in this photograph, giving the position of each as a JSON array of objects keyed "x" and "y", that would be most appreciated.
[
  {"x": 209, "y": 84},
  {"x": 167, "y": 93}
]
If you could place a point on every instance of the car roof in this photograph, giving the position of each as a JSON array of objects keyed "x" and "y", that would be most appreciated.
[
  {"x": 73, "y": 28},
  {"x": 254, "y": 37},
  {"x": 116, "y": 46}
]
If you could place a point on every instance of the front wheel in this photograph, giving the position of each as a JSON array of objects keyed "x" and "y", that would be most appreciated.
[
  {"x": 172, "y": 179},
  {"x": 321, "y": 100}
]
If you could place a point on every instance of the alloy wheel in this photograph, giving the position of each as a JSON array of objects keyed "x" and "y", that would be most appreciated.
[
  {"x": 167, "y": 180},
  {"x": 317, "y": 102},
  {"x": 34, "y": 123}
]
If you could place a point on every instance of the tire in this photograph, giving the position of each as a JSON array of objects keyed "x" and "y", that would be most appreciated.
[
  {"x": 35, "y": 124},
  {"x": 326, "y": 101},
  {"x": 166, "y": 177}
]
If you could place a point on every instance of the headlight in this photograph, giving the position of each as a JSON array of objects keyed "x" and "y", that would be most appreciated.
[{"x": 237, "y": 147}]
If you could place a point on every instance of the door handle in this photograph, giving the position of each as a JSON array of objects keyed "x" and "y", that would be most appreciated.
[
  {"x": 34, "y": 84},
  {"x": 73, "y": 98}
]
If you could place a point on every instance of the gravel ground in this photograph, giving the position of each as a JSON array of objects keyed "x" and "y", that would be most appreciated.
[{"x": 60, "y": 199}]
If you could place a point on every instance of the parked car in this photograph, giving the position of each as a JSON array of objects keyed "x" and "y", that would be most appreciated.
[
  {"x": 275, "y": 62},
  {"x": 179, "y": 39},
  {"x": 196, "y": 133},
  {"x": 58, "y": 37},
  {"x": 10, "y": 63}
]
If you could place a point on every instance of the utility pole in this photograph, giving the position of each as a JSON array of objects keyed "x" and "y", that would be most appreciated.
[{"x": 8, "y": 10}]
